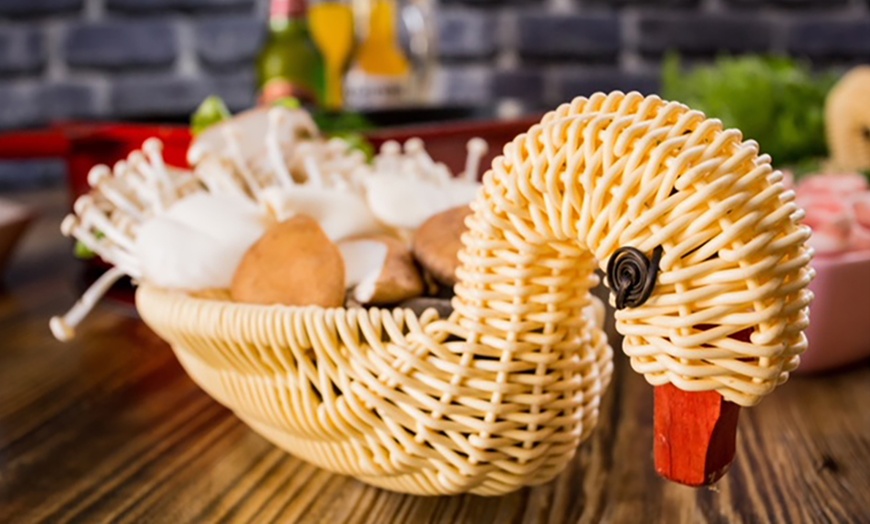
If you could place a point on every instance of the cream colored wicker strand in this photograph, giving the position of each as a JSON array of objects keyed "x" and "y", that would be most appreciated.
[{"x": 499, "y": 395}]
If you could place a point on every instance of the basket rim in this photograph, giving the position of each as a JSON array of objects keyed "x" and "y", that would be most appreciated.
[{"x": 192, "y": 298}]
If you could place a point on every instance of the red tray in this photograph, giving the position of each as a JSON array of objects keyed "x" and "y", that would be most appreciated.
[
  {"x": 83, "y": 146},
  {"x": 446, "y": 142}
]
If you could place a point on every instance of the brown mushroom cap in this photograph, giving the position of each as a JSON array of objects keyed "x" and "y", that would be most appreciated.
[
  {"x": 399, "y": 278},
  {"x": 294, "y": 264},
  {"x": 438, "y": 241}
]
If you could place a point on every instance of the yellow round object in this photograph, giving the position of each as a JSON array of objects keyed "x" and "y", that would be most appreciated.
[{"x": 847, "y": 121}]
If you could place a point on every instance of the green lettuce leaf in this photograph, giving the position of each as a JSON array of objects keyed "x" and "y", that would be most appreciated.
[{"x": 776, "y": 101}]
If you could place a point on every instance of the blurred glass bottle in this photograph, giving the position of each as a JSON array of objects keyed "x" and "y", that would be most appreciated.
[
  {"x": 331, "y": 24},
  {"x": 420, "y": 38},
  {"x": 290, "y": 64},
  {"x": 380, "y": 76}
]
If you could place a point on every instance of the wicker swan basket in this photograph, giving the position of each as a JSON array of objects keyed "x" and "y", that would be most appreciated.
[{"x": 500, "y": 394}]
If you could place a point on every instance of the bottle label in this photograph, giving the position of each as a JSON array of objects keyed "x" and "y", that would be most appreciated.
[
  {"x": 367, "y": 91},
  {"x": 276, "y": 89}
]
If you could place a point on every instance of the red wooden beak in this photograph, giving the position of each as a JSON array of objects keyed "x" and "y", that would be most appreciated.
[{"x": 695, "y": 433}]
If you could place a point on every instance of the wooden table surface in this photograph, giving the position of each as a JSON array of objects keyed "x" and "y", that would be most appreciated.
[{"x": 109, "y": 428}]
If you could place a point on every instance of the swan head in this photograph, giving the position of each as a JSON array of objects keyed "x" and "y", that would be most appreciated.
[{"x": 713, "y": 295}]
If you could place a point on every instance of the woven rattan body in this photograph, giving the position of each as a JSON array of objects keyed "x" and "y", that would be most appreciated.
[{"x": 499, "y": 395}]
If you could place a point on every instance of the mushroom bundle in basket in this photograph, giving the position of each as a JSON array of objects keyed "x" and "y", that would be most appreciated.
[{"x": 702, "y": 246}]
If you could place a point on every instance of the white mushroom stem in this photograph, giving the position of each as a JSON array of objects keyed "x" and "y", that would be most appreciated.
[
  {"x": 211, "y": 177},
  {"x": 153, "y": 149},
  {"x": 477, "y": 148},
  {"x": 120, "y": 201},
  {"x": 337, "y": 146},
  {"x": 300, "y": 153},
  {"x": 388, "y": 159},
  {"x": 315, "y": 177},
  {"x": 239, "y": 159},
  {"x": 67, "y": 225},
  {"x": 347, "y": 167},
  {"x": 422, "y": 163},
  {"x": 134, "y": 168},
  {"x": 63, "y": 328},
  {"x": 352, "y": 158},
  {"x": 100, "y": 179},
  {"x": 339, "y": 183},
  {"x": 414, "y": 145},
  {"x": 71, "y": 227},
  {"x": 126, "y": 224},
  {"x": 217, "y": 178},
  {"x": 106, "y": 250},
  {"x": 359, "y": 177},
  {"x": 273, "y": 204},
  {"x": 441, "y": 174},
  {"x": 137, "y": 163},
  {"x": 139, "y": 183},
  {"x": 92, "y": 217},
  {"x": 98, "y": 174},
  {"x": 273, "y": 149}
]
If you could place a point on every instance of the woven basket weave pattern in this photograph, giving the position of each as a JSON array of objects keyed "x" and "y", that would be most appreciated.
[
  {"x": 375, "y": 395},
  {"x": 624, "y": 170},
  {"x": 499, "y": 395}
]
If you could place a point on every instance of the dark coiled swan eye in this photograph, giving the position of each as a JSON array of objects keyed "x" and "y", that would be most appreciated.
[{"x": 632, "y": 276}]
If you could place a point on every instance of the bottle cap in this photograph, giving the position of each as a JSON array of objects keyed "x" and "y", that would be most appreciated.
[{"x": 287, "y": 8}]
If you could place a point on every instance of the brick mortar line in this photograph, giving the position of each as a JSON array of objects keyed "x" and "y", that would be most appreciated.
[
  {"x": 187, "y": 61},
  {"x": 94, "y": 10},
  {"x": 261, "y": 9},
  {"x": 55, "y": 67},
  {"x": 563, "y": 6},
  {"x": 629, "y": 59},
  {"x": 507, "y": 24},
  {"x": 713, "y": 6}
]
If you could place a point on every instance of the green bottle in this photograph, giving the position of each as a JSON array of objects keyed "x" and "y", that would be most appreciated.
[{"x": 290, "y": 64}]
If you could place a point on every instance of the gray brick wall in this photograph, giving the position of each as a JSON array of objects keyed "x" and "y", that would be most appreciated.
[
  {"x": 155, "y": 59},
  {"x": 120, "y": 44}
]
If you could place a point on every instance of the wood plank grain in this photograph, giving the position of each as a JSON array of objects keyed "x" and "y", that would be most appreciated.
[{"x": 111, "y": 429}]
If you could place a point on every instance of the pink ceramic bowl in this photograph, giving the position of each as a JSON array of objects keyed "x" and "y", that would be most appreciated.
[{"x": 839, "y": 332}]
